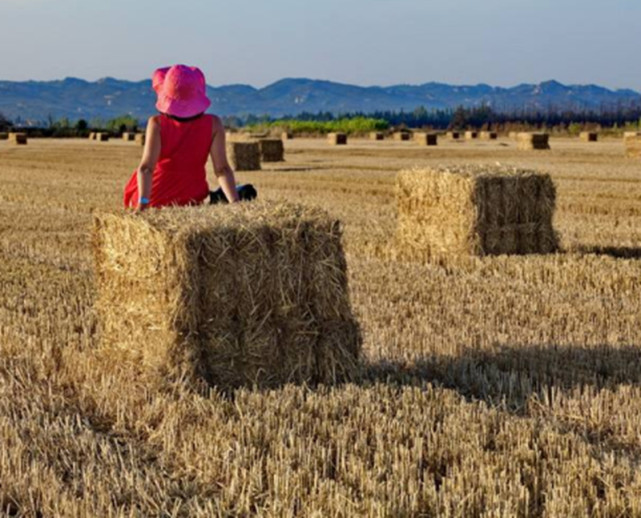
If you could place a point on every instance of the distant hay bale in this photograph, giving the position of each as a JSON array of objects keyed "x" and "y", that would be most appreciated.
[
  {"x": 426, "y": 139},
  {"x": 466, "y": 211},
  {"x": 529, "y": 141},
  {"x": 271, "y": 150},
  {"x": 240, "y": 295},
  {"x": 244, "y": 156},
  {"x": 337, "y": 139},
  {"x": 377, "y": 135},
  {"x": 402, "y": 136},
  {"x": 128, "y": 136},
  {"x": 589, "y": 136},
  {"x": 19, "y": 139},
  {"x": 633, "y": 145},
  {"x": 627, "y": 134},
  {"x": 287, "y": 135},
  {"x": 102, "y": 137},
  {"x": 470, "y": 135},
  {"x": 4, "y": 135},
  {"x": 140, "y": 138},
  {"x": 488, "y": 135},
  {"x": 92, "y": 135},
  {"x": 453, "y": 135}
]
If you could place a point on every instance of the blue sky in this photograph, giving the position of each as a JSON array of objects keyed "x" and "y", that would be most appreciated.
[{"x": 366, "y": 42}]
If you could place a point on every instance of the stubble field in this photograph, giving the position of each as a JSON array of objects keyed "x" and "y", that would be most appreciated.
[{"x": 510, "y": 387}]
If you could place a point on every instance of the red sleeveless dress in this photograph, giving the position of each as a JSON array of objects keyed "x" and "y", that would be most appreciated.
[{"x": 180, "y": 176}]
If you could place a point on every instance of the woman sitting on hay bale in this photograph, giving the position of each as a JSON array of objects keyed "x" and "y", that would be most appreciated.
[{"x": 178, "y": 144}]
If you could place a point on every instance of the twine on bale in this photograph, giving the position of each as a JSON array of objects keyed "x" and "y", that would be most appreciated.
[
  {"x": 465, "y": 211},
  {"x": 240, "y": 295}
]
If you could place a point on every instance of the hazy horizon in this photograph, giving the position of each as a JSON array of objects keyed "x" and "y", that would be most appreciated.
[{"x": 360, "y": 42}]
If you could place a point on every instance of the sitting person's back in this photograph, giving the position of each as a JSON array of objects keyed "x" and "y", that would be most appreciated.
[
  {"x": 180, "y": 175},
  {"x": 177, "y": 145}
]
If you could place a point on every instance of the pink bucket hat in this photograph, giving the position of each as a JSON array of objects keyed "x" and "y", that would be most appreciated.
[{"x": 181, "y": 91}]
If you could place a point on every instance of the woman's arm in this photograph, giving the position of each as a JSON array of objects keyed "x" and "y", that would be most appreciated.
[
  {"x": 148, "y": 162},
  {"x": 222, "y": 169}
]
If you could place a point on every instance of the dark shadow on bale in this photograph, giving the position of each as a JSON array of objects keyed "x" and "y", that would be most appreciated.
[
  {"x": 271, "y": 150},
  {"x": 239, "y": 295},
  {"x": 337, "y": 139},
  {"x": 533, "y": 141}
]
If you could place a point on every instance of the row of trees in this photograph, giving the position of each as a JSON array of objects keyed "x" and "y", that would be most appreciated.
[{"x": 482, "y": 117}]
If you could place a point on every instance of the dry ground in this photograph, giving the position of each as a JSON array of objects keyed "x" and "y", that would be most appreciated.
[{"x": 507, "y": 388}]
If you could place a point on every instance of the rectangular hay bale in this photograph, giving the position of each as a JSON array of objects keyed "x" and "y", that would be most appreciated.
[
  {"x": 471, "y": 135},
  {"x": 453, "y": 135},
  {"x": 529, "y": 141},
  {"x": 337, "y": 139},
  {"x": 402, "y": 136},
  {"x": 19, "y": 139},
  {"x": 469, "y": 211},
  {"x": 244, "y": 156},
  {"x": 426, "y": 139},
  {"x": 128, "y": 136},
  {"x": 92, "y": 135},
  {"x": 287, "y": 135},
  {"x": 102, "y": 137},
  {"x": 377, "y": 135},
  {"x": 236, "y": 295},
  {"x": 488, "y": 135},
  {"x": 140, "y": 138},
  {"x": 272, "y": 150},
  {"x": 589, "y": 136}
]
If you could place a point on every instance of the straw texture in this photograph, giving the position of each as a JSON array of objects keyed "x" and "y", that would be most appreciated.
[
  {"x": 241, "y": 295},
  {"x": 474, "y": 211}
]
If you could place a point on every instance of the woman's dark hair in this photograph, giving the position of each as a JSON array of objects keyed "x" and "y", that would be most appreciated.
[{"x": 184, "y": 119}]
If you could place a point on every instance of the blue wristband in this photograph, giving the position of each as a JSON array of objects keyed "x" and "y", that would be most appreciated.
[{"x": 143, "y": 201}]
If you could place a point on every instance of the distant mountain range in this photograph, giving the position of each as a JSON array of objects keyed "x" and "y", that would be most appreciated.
[{"x": 36, "y": 101}]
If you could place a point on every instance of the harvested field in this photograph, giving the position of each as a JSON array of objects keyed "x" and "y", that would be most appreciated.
[{"x": 509, "y": 386}]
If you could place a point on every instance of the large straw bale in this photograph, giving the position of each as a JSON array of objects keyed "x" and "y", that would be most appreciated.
[
  {"x": 140, "y": 138},
  {"x": 102, "y": 137},
  {"x": 18, "y": 138},
  {"x": 453, "y": 135},
  {"x": 633, "y": 145},
  {"x": 377, "y": 135},
  {"x": 272, "y": 150},
  {"x": 589, "y": 136},
  {"x": 337, "y": 139},
  {"x": 470, "y": 211},
  {"x": 488, "y": 135},
  {"x": 402, "y": 136},
  {"x": 128, "y": 136},
  {"x": 470, "y": 135},
  {"x": 426, "y": 139},
  {"x": 240, "y": 295},
  {"x": 244, "y": 156},
  {"x": 529, "y": 141}
]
